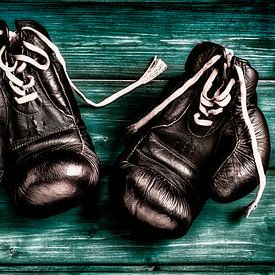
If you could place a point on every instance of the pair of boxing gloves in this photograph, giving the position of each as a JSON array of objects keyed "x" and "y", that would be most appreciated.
[{"x": 205, "y": 139}]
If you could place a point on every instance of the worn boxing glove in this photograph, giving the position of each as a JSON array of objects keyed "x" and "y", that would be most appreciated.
[
  {"x": 161, "y": 178},
  {"x": 50, "y": 160},
  {"x": 244, "y": 145}
]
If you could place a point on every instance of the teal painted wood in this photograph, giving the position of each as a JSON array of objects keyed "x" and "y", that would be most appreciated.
[
  {"x": 140, "y": 269},
  {"x": 115, "y": 41},
  {"x": 93, "y": 236},
  {"x": 108, "y": 45}
]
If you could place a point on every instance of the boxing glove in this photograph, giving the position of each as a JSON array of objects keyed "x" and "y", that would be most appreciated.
[
  {"x": 161, "y": 178},
  {"x": 164, "y": 177},
  {"x": 238, "y": 172},
  {"x": 50, "y": 162}
]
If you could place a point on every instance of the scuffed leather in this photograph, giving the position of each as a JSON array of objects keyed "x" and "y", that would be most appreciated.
[
  {"x": 4, "y": 41},
  {"x": 51, "y": 164},
  {"x": 236, "y": 175},
  {"x": 171, "y": 167}
]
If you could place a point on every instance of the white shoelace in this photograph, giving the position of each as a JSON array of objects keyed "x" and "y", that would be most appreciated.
[
  {"x": 190, "y": 82},
  {"x": 17, "y": 85},
  {"x": 206, "y": 107},
  {"x": 221, "y": 99},
  {"x": 20, "y": 89},
  {"x": 258, "y": 161}
]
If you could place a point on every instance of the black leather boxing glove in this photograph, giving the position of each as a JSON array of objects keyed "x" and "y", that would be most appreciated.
[
  {"x": 50, "y": 160},
  {"x": 241, "y": 167},
  {"x": 161, "y": 178}
]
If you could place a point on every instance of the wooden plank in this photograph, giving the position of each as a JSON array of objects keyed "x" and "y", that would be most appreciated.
[
  {"x": 138, "y": 269},
  {"x": 117, "y": 40},
  {"x": 107, "y": 125},
  {"x": 93, "y": 236},
  {"x": 104, "y": 40}
]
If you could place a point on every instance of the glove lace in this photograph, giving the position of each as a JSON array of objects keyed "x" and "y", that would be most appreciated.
[
  {"x": 258, "y": 161},
  {"x": 190, "y": 82},
  {"x": 221, "y": 99},
  {"x": 21, "y": 89}
]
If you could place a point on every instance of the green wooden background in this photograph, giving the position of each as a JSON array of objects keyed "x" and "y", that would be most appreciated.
[{"x": 107, "y": 45}]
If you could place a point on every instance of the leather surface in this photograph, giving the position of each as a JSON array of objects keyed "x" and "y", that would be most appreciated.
[
  {"x": 4, "y": 38},
  {"x": 162, "y": 179},
  {"x": 237, "y": 175},
  {"x": 51, "y": 163}
]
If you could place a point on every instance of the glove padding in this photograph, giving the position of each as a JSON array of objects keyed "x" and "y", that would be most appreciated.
[{"x": 51, "y": 163}]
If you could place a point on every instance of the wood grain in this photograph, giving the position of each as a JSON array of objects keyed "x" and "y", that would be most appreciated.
[
  {"x": 118, "y": 40},
  {"x": 107, "y": 45},
  {"x": 139, "y": 269}
]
